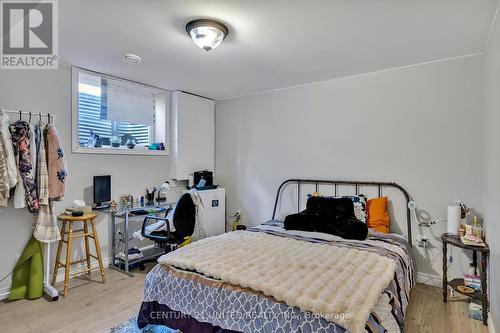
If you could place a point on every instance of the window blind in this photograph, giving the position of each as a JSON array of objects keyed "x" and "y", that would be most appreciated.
[
  {"x": 129, "y": 103},
  {"x": 89, "y": 118}
]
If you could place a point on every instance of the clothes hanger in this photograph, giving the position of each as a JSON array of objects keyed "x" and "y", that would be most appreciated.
[
  {"x": 29, "y": 121},
  {"x": 20, "y": 115}
]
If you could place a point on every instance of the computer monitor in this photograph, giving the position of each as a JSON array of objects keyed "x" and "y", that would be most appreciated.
[{"x": 102, "y": 190}]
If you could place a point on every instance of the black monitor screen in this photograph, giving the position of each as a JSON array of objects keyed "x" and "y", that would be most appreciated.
[{"x": 102, "y": 189}]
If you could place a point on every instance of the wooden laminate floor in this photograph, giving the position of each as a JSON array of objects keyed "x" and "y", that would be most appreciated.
[{"x": 96, "y": 307}]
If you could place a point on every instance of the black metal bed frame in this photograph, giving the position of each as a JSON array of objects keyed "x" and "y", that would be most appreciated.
[{"x": 356, "y": 184}]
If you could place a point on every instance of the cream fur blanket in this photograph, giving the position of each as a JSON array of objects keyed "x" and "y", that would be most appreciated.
[{"x": 340, "y": 284}]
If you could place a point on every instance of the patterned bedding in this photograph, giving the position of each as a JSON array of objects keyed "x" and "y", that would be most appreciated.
[{"x": 191, "y": 302}]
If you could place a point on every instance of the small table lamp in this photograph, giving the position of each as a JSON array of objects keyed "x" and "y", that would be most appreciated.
[{"x": 163, "y": 189}]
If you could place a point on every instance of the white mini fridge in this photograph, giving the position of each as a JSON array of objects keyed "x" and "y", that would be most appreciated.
[{"x": 214, "y": 211}]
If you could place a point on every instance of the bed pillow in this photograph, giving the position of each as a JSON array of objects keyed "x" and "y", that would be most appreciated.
[
  {"x": 359, "y": 206},
  {"x": 359, "y": 201},
  {"x": 378, "y": 217},
  {"x": 328, "y": 215}
]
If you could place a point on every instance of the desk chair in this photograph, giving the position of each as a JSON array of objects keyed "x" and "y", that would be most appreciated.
[{"x": 184, "y": 219}]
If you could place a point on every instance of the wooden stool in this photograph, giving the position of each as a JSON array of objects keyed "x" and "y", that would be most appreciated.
[{"x": 67, "y": 229}]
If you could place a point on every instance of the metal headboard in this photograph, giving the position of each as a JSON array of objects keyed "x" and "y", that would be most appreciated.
[{"x": 356, "y": 184}]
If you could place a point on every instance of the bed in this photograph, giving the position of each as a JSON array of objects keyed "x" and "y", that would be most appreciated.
[{"x": 192, "y": 299}]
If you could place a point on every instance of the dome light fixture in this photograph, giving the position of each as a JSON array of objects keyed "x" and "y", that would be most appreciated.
[{"x": 206, "y": 33}]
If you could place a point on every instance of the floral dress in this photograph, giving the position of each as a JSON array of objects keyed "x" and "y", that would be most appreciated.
[{"x": 20, "y": 135}]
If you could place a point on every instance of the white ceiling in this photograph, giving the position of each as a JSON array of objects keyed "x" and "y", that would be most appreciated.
[{"x": 271, "y": 44}]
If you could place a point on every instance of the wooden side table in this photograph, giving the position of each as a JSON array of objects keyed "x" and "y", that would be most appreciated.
[
  {"x": 482, "y": 296},
  {"x": 67, "y": 229}
]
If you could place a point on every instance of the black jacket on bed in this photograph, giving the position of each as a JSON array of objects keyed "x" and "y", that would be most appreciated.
[{"x": 328, "y": 215}]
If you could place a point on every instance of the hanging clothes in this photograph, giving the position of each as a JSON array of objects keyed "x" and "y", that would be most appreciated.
[
  {"x": 33, "y": 154},
  {"x": 33, "y": 151},
  {"x": 19, "y": 193},
  {"x": 199, "y": 227},
  {"x": 46, "y": 230},
  {"x": 4, "y": 177},
  {"x": 56, "y": 163},
  {"x": 42, "y": 172},
  {"x": 20, "y": 135},
  {"x": 38, "y": 138},
  {"x": 12, "y": 170}
]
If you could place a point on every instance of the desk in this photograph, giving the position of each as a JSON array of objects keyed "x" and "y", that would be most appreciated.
[{"x": 125, "y": 215}]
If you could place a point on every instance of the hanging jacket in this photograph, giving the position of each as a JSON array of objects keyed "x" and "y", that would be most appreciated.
[
  {"x": 33, "y": 152},
  {"x": 46, "y": 229},
  {"x": 27, "y": 278},
  {"x": 38, "y": 140},
  {"x": 20, "y": 135},
  {"x": 4, "y": 178},
  {"x": 12, "y": 171},
  {"x": 56, "y": 163},
  {"x": 42, "y": 178},
  {"x": 19, "y": 194}
]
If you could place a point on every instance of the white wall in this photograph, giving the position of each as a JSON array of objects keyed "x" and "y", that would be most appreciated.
[
  {"x": 50, "y": 91},
  {"x": 418, "y": 126},
  {"x": 491, "y": 165}
]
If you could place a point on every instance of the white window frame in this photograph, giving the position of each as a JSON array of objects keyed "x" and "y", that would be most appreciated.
[{"x": 161, "y": 130}]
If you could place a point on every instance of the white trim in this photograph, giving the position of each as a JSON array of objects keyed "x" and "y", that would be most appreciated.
[
  {"x": 351, "y": 75},
  {"x": 429, "y": 279},
  {"x": 4, "y": 291},
  {"x": 119, "y": 151},
  {"x": 491, "y": 325}
]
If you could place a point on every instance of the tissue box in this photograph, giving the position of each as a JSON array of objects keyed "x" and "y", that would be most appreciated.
[
  {"x": 475, "y": 310},
  {"x": 85, "y": 209}
]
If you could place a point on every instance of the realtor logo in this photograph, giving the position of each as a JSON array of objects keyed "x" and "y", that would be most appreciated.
[{"x": 29, "y": 34}]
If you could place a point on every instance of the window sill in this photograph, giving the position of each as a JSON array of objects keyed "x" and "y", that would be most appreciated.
[{"x": 119, "y": 151}]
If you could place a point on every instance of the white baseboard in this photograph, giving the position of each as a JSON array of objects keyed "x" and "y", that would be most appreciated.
[
  {"x": 491, "y": 325},
  {"x": 4, "y": 291},
  {"x": 429, "y": 279}
]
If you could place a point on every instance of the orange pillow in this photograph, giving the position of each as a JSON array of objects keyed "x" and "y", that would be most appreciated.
[{"x": 378, "y": 217}]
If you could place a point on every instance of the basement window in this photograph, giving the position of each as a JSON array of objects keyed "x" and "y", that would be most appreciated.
[{"x": 116, "y": 116}]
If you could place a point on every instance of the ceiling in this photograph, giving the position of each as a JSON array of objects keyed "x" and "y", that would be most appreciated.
[{"x": 271, "y": 44}]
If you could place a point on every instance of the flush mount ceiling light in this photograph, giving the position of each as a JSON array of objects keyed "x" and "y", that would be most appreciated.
[
  {"x": 206, "y": 33},
  {"x": 131, "y": 58}
]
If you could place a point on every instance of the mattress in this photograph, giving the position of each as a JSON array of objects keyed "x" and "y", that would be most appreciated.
[{"x": 192, "y": 302}]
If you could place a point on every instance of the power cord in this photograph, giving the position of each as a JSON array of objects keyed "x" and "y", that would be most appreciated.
[{"x": 6, "y": 276}]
